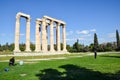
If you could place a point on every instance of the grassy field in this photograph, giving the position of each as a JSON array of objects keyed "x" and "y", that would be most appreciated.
[
  {"x": 41, "y": 56},
  {"x": 105, "y": 67}
]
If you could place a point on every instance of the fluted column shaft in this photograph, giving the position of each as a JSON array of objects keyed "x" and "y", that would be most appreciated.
[
  {"x": 17, "y": 34},
  {"x": 44, "y": 41},
  {"x": 58, "y": 37},
  {"x": 28, "y": 36},
  {"x": 51, "y": 37},
  {"x": 64, "y": 37},
  {"x": 37, "y": 45},
  {"x": 46, "y": 37}
]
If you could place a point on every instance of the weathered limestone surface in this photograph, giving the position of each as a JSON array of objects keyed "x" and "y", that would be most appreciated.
[
  {"x": 51, "y": 37},
  {"x": 41, "y": 34},
  {"x": 58, "y": 37},
  {"x": 64, "y": 38},
  {"x": 28, "y": 36},
  {"x": 37, "y": 44},
  {"x": 17, "y": 33},
  {"x": 44, "y": 36}
]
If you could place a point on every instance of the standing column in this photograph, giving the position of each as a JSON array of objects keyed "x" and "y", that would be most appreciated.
[
  {"x": 64, "y": 37},
  {"x": 17, "y": 34},
  {"x": 58, "y": 37},
  {"x": 44, "y": 41},
  {"x": 51, "y": 37},
  {"x": 37, "y": 44},
  {"x": 46, "y": 37},
  {"x": 28, "y": 35}
]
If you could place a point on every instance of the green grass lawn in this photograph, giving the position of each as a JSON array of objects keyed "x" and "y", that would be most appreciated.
[
  {"x": 105, "y": 67},
  {"x": 41, "y": 56}
]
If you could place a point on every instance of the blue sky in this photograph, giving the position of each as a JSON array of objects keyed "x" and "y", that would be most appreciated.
[{"x": 83, "y": 18}]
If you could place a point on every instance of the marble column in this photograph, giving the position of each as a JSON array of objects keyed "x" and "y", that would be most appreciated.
[
  {"x": 44, "y": 41},
  {"x": 17, "y": 34},
  {"x": 58, "y": 37},
  {"x": 64, "y": 37},
  {"x": 51, "y": 36},
  {"x": 46, "y": 37},
  {"x": 28, "y": 35},
  {"x": 37, "y": 43}
]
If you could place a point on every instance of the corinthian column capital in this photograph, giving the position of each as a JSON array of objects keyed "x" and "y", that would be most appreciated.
[
  {"x": 51, "y": 22},
  {"x": 58, "y": 24},
  {"x": 28, "y": 19}
]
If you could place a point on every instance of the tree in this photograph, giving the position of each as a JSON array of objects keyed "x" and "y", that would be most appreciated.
[
  {"x": 55, "y": 46},
  {"x": 86, "y": 49},
  {"x": 32, "y": 46},
  {"x": 1, "y": 48},
  {"x": 68, "y": 48},
  {"x": 101, "y": 48},
  {"x": 11, "y": 48},
  {"x": 95, "y": 42},
  {"x": 76, "y": 46},
  {"x": 61, "y": 45},
  {"x": 22, "y": 46},
  {"x": 108, "y": 47},
  {"x": 91, "y": 47},
  {"x": 118, "y": 40},
  {"x": 7, "y": 46}
]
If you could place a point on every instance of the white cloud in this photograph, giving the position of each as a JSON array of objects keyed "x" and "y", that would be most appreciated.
[
  {"x": 86, "y": 32},
  {"x": 84, "y": 36},
  {"x": 93, "y": 30},
  {"x": 83, "y": 32},
  {"x": 70, "y": 39},
  {"x": 69, "y": 33},
  {"x": 81, "y": 38},
  {"x": 87, "y": 35}
]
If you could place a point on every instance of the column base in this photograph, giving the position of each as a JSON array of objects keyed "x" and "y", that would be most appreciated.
[
  {"x": 44, "y": 50},
  {"x": 65, "y": 50},
  {"x": 58, "y": 50},
  {"x": 37, "y": 50},
  {"x": 17, "y": 50},
  {"x": 52, "y": 50},
  {"x": 28, "y": 50}
]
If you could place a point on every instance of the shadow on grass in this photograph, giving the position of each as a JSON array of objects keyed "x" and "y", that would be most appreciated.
[
  {"x": 73, "y": 72},
  {"x": 110, "y": 56}
]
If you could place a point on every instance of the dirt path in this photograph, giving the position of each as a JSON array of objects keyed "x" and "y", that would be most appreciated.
[{"x": 34, "y": 60}]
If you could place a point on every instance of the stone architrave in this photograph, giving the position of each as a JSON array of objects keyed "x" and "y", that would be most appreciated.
[
  {"x": 59, "y": 23},
  {"x": 43, "y": 24}
]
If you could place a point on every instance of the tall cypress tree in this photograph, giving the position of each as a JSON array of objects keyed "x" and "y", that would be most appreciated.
[
  {"x": 118, "y": 40},
  {"x": 95, "y": 42}
]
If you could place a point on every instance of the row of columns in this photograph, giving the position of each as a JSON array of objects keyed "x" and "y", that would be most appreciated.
[
  {"x": 44, "y": 23},
  {"x": 41, "y": 24},
  {"x": 17, "y": 33}
]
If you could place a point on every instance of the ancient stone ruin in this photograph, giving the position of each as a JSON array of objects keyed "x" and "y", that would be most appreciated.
[{"x": 41, "y": 45}]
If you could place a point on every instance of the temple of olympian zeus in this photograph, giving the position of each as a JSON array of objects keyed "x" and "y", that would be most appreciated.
[{"x": 41, "y": 45}]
